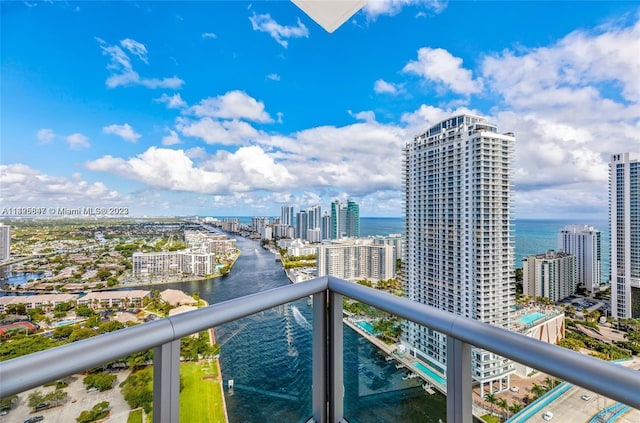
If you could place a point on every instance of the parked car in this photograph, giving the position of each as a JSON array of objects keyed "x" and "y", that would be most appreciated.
[
  {"x": 34, "y": 419},
  {"x": 586, "y": 397},
  {"x": 547, "y": 416},
  {"x": 515, "y": 389}
]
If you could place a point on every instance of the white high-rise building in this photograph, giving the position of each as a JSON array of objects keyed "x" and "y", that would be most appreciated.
[
  {"x": 624, "y": 218},
  {"x": 459, "y": 254},
  {"x": 326, "y": 226},
  {"x": 550, "y": 275},
  {"x": 302, "y": 224},
  {"x": 286, "y": 215},
  {"x": 356, "y": 259},
  {"x": 5, "y": 242},
  {"x": 583, "y": 242}
]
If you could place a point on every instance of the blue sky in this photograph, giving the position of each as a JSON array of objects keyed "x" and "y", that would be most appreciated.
[{"x": 236, "y": 108}]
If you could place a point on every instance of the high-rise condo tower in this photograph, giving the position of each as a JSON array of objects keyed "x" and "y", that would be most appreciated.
[
  {"x": 459, "y": 253},
  {"x": 624, "y": 218}
]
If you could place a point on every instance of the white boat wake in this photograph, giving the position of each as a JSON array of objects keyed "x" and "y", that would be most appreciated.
[{"x": 300, "y": 319}]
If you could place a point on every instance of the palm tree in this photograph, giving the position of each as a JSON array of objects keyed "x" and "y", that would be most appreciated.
[
  {"x": 515, "y": 408},
  {"x": 549, "y": 383},
  {"x": 491, "y": 399},
  {"x": 537, "y": 390},
  {"x": 504, "y": 406}
]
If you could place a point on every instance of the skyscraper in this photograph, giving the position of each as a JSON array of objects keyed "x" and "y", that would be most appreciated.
[
  {"x": 345, "y": 219},
  {"x": 353, "y": 219},
  {"x": 583, "y": 242},
  {"x": 302, "y": 224},
  {"x": 338, "y": 220},
  {"x": 286, "y": 215},
  {"x": 459, "y": 253},
  {"x": 5, "y": 242},
  {"x": 550, "y": 275},
  {"x": 624, "y": 218},
  {"x": 315, "y": 217},
  {"x": 326, "y": 226}
]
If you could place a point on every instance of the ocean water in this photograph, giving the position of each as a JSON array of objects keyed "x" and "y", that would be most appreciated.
[{"x": 531, "y": 236}]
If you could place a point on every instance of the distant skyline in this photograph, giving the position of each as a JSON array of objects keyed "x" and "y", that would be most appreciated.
[{"x": 237, "y": 108}]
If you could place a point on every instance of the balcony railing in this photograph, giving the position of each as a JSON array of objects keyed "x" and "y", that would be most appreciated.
[{"x": 610, "y": 380}]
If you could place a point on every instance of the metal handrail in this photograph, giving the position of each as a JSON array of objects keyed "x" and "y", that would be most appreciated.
[
  {"x": 26, "y": 372},
  {"x": 606, "y": 378},
  {"x": 609, "y": 379}
]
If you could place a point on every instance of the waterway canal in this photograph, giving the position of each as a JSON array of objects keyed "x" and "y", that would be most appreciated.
[{"x": 268, "y": 356}]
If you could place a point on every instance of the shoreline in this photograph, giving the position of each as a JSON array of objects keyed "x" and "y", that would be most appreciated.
[
  {"x": 212, "y": 342},
  {"x": 136, "y": 284}
]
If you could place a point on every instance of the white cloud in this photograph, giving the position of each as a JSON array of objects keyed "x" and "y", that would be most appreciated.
[
  {"x": 22, "y": 185},
  {"x": 571, "y": 105},
  {"x": 46, "y": 136},
  {"x": 382, "y": 86},
  {"x": 171, "y": 139},
  {"x": 571, "y": 72},
  {"x": 77, "y": 141},
  {"x": 249, "y": 168},
  {"x": 125, "y": 132},
  {"x": 172, "y": 101},
  {"x": 439, "y": 66},
  {"x": 209, "y": 35},
  {"x": 367, "y": 115},
  {"x": 122, "y": 72},
  {"x": 227, "y": 132},
  {"x": 264, "y": 23},
  {"x": 232, "y": 105},
  {"x": 342, "y": 158},
  {"x": 135, "y": 48},
  {"x": 375, "y": 8},
  {"x": 273, "y": 77}
]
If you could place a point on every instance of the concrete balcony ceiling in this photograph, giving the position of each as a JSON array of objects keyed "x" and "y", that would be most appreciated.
[{"x": 330, "y": 14}]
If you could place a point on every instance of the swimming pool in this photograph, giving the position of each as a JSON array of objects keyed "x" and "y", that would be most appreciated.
[
  {"x": 368, "y": 327},
  {"x": 530, "y": 318},
  {"x": 424, "y": 369}
]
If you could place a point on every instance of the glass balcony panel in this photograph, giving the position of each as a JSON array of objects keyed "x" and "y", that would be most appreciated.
[
  {"x": 270, "y": 374},
  {"x": 532, "y": 395},
  {"x": 381, "y": 381},
  {"x": 99, "y": 391}
]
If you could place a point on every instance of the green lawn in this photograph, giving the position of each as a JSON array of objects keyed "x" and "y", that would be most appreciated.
[
  {"x": 491, "y": 419},
  {"x": 135, "y": 416},
  {"x": 201, "y": 398}
]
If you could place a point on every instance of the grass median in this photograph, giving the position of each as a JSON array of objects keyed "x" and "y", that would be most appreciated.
[{"x": 201, "y": 397}]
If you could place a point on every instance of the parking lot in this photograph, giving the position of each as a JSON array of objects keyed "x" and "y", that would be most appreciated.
[{"x": 79, "y": 400}]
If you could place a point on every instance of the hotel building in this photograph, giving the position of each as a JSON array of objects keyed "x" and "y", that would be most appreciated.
[
  {"x": 167, "y": 263},
  {"x": 459, "y": 254},
  {"x": 624, "y": 218},
  {"x": 583, "y": 242},
  {"x": 356, "y": 259},
  {"x": 550, "y": 275}
]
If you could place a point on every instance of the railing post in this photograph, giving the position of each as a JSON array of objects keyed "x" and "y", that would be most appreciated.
[
  {"x": 459, "y": 382},
  {"x": 166, "y": 382},
  {"x": 336, "y": 363},
  {"x": 319, "y": 357}
]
